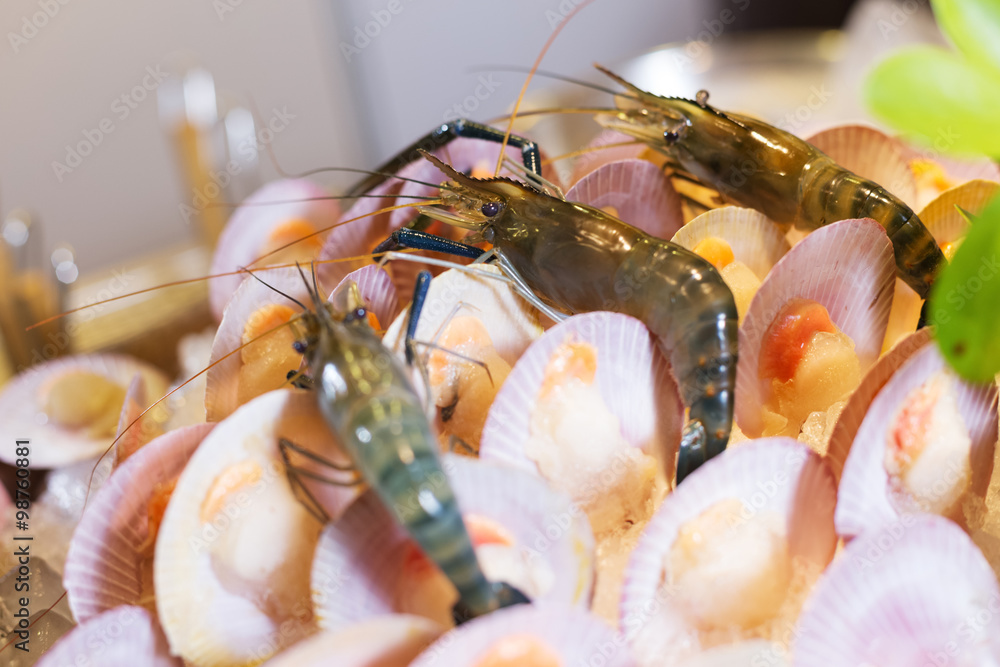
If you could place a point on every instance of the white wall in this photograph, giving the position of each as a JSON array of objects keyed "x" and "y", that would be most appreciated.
[{"x": 123, "y": 199}]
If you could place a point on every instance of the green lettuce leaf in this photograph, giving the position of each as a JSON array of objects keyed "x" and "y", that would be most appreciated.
[
  {"x": 965, "y": 301},
  {"x": 973, "y": 26},
  {"x": 939, "y": 97}
]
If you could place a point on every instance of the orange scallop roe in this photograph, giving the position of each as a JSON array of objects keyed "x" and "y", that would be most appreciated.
[
  {"x": 291, "y": 231},
  {"x": 482, "y": 530},
  {"x": 930, "y": 174},
  {"x": 715, "y": 250},
  {"x": 373, "y": 321},
  {"x": 482, "y": 169},
  {"x": 948, "y": 249},
  {"x": 570, "y": 361},
  {"x": 233, "y": 478},
  {"x": 522, "y": 650},
  {"x": 611, "y": 210},
  {"x": 158, "y": 505},
  {"x": 908, "y": 434},
  {"x": 462, "y": 332},
  {"x": 265, "y": 318},
  {"x": 784, "y": 343}
]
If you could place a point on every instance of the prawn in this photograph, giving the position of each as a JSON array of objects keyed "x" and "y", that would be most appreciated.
[
  {"x": 760, "y": 166},
  {"x": 366, "y": 398},
  {"x": 569, "y": 258}
]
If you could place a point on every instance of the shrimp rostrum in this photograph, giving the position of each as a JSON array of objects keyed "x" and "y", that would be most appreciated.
[
  {"x": 575, "y": 258},
  {"x": 366, "y": 398},
  {"x": 760, "y": 166}
]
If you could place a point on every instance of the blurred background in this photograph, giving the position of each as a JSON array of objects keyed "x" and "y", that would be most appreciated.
[{"x": 110, "y": 108}]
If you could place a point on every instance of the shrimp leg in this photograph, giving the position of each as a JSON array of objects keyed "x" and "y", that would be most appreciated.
[{"x": 441, "y": 136}]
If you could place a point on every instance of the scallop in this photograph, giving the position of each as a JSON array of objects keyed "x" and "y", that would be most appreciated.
[
  {"x": 635, "y": 191},
  {"x": 69, "y": 408},
  {"x": 277, "y": 214},
  {"x": 232, "y": 556},
  {"x": 471, "y": 331},
  {"x": 771, "y": 501},
  {"x": 537, "y": 635},
  {"x": 815, "y": 325},
  {"x": 926, "y": 444},
  {"x": 917, "y": 592},
  {"x": 525, "y": 534},
  {"x": 592, "y": 408},
  {"x": 109, "y": 562},
  {"x": 741, "y": 243}
]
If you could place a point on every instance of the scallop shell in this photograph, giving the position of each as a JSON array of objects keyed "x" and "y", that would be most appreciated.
[
  {"x": 120, "y": 637},
  {"x": 246, "y": 232},
  {"x": 104, "y": 566},
  {"x": 633, "y": 378},
  {"x": 776, "y": 475},
  {"x": 358, "y": 562},
  {"x": 22, "y": 408},
  {"x": 944, "y": 221},
  {"x": 357, "y": 233},
  {"x": 222, "y": 379},
  {"x": 756, "y": 240},
  {"x": 384, "y": 641},
  {"x": 846, "y": 266},
  {"x": 846, "y": 428},
  {"x": 375, "y": 287},
  {"x": 871, "y": 154},
  {"x": 603, "y": 149},
  {"x": 637, "y": 191},
  {"x": 510, "y": 321},
  {"x": 232, "y": 585},
  {"x": 864, "y": 484},
  {"x": 918, "y": 592},
  {"x": 577, "y": 637}
]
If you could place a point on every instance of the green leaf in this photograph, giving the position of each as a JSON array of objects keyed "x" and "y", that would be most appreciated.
[
  {"x": 965, "y": 301},
  {"x": 943, "y": 100},
  {"x": 973, "y": 26}
]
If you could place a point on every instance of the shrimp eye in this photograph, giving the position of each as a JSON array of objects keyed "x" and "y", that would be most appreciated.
[
  {"x": 670, "y": 136},
  {"x": 299, "y": 346},
  {"x": 490, "y": 208},
  {"x": 357, "y": 315}
]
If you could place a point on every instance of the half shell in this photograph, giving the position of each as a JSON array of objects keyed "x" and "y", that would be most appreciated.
[
  {"x": 848, "y": 268},
  {"x": 566, "y": 636},
  {"x": 232, "y": 556},
  {"x": 23, "y": 405},
  {"x": 914, "y": 593},
  {"x": 109, "y": 558},
  {"x": 280, "y": 209},
  {"x": 635, "y": 191},
  {"x": 121, "y": 637},
  {"x": 363, "y": 567},
  {"x": 384, "y": 641},
  {"x": 779, "y": 484},
  {"x": 865, "y": 499}
]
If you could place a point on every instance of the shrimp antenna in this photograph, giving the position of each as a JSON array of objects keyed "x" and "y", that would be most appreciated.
[
  {"x": 552, "y": 75},
  {"x": 255, "y": 112},
  {"x": 275, "y": 289},
  {"x": 524, "y": 88}
]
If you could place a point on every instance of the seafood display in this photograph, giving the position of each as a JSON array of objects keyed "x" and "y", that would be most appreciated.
[{"x": 614, "y": 431}]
